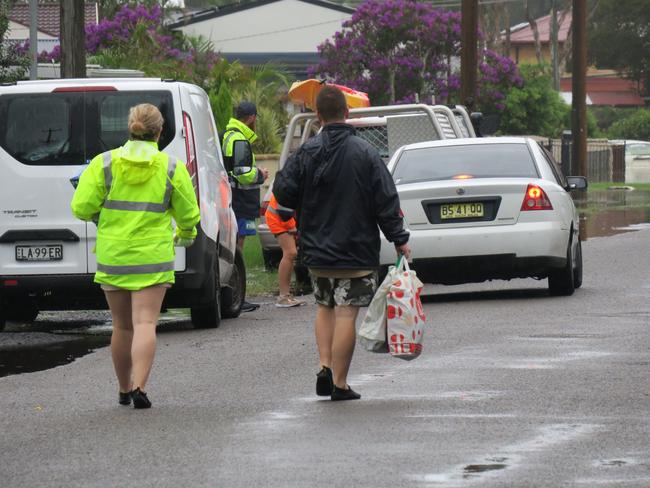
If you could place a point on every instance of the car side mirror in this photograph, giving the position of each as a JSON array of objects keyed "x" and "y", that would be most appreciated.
[
  {"x": 242, "y": 156},
  {"x": 576, "y": 183}
]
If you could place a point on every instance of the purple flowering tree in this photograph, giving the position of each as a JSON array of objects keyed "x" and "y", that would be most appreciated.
[{"x": 400, "y": 51}]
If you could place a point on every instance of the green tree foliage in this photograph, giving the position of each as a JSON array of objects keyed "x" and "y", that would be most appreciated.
[
  {"x": 535, "y": 108},
  {"x": 619, "y": 38},
  {"x": 636, "y": 126},
  {"x": 13, "y": 63},
  {"x": 221, "y": 101}
]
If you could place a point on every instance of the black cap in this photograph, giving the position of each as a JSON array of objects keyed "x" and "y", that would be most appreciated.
[{"x": 244, "y": 109}]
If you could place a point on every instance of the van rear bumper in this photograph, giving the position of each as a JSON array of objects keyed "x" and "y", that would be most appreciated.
[{"x": 80, "y": 292}]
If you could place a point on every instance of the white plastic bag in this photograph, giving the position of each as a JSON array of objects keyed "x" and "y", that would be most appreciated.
[
  {"x": 405, "y": 316},
  {"x": 372, "y": 333}
]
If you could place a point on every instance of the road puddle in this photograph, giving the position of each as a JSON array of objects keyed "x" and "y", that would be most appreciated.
[
  {"x": 613, "y": 211},
  {"x": 37, "y": 355}
]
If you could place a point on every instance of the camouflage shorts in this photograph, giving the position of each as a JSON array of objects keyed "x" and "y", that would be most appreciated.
[{"x": 354, "y": 292}]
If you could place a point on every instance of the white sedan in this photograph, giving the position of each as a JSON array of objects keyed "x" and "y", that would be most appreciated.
[{"x": 488, "y": 208}]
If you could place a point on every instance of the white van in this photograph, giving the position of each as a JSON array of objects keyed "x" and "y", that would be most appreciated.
[{"x": 49, "y": 131}]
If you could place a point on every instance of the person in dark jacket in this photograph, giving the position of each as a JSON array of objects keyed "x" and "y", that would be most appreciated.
[{"x": 343, "y": 195}]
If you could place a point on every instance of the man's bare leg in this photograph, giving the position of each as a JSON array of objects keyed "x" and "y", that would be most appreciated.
[
  {"x": 325, "y": 334},
  {"x": 343, "y": 343}
]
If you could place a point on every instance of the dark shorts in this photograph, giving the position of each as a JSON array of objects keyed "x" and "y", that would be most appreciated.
[
  {"x": 246, "y": 227},
  {"x": 352, "y": 292}
]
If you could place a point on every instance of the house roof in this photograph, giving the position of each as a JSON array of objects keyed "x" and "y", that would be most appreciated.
[
  {"x": 523, "y": 34},
  {"x": 215, "y": 12},
  {"x": 609, "y": 90},
  {"x": 49, "y": 16}
]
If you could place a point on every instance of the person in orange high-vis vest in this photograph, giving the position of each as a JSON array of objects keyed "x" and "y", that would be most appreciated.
[{"x": 282, "y": 224}]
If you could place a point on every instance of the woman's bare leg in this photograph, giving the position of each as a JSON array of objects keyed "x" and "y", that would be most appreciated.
[
  {"x": 119, "y": 302},
  {"x": 146, "y": 305},
  {"x": 285, "y": 269}
]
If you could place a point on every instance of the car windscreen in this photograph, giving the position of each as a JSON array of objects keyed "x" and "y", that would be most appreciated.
[
  {"x": 70, "y": 128},
  {"x": 638, "y": 149},
  {"x": 463, "y": 162}
]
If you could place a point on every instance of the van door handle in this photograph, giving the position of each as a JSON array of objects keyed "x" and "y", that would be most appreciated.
[{"x": 39, "y": 235}]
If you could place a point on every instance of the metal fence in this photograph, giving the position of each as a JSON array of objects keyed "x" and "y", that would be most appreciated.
[{"x": 605, "y": 161}]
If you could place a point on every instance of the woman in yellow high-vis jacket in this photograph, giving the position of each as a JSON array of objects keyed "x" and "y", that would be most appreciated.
[{"x": 133, "y": 192}]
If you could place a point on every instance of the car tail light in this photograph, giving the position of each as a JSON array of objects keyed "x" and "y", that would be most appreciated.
[
  {"x": 190, "y": 151},
  {"x": 536, "y": 199},
  {"x": 263, "y": 207}
]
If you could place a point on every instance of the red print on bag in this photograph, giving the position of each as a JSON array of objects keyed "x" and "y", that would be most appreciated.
[{"x": 391, "y": 312}]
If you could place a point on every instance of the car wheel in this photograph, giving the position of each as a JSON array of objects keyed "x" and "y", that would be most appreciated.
[
  {"x": 208, "y": 314},
  {"x": 234, "y": 293},
  {"x": 560, "y": 281},
  {"x": 577, "y": 271},
  {"x": 3, "y": 321},
  {"x": 272, "y": 258}
]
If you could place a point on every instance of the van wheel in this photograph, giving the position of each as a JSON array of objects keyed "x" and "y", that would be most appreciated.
[
  {"x": 560, "y": 281},
  {"x": 22, "y": 314},
  {"x": 208, "y": 314},
  {"x": 234, "y": 293}
]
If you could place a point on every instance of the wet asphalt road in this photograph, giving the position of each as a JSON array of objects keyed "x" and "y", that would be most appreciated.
[{"x": 515, "y": 389}]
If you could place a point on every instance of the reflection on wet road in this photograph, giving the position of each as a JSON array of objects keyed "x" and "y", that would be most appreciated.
[{"x": 613, "y": 211}]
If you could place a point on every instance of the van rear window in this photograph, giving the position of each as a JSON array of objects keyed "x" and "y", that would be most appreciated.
[{"x": 70, "y": 128}]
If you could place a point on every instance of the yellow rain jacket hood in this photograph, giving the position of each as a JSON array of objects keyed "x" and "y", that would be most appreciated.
[{"x": 133, "y": 192}]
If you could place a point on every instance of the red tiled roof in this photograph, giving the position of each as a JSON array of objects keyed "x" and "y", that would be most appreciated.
[
  {"x": 608, "y": 90},
  {"x": 525, "y": 34},
  {"x": 49, "y": 16}
]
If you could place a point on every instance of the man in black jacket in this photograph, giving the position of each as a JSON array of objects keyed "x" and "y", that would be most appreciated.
[{"x": 343, "y": 194}]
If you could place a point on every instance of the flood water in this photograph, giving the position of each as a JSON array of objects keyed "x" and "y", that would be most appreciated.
[
  {"x": 613, "y": 211},
  {"x": 57, "y": 338}
]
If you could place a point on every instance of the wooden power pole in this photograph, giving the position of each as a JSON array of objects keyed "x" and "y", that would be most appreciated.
[
  {"x": 468, "y": 52},
  {"x": 73, "y": 39},
  {"x": 578, "y": 86}
]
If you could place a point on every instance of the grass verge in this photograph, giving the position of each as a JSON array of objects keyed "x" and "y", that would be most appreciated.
[
  {"x": 259, "y": 280},
  {"x": 605, "y": 186}
]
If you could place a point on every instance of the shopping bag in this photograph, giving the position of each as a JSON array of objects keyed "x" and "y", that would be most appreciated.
[
  {"x": 372, "y": 332},
  {"x": 404, "y": 313}
]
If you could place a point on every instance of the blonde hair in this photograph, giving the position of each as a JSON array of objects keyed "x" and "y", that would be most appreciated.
[{"x": 145, "y": 122}]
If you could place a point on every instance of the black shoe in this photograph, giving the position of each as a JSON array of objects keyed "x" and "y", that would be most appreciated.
[
  {"x": 324, "y": 382},
  {"x": 125, "y": 398},
  {"x": 339, "y": 394},
  {"x": 249, "y": 307},
  {"x": 140, "y": 399}
]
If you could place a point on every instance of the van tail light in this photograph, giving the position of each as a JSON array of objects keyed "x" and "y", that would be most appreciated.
[
  {"x": 190, "y": 151},
  {"x": 536, "y": 199},
  {"x": 263, "y": 207}
]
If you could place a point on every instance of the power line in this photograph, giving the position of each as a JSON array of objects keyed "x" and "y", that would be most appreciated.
[{"x": 290, "y": 29}]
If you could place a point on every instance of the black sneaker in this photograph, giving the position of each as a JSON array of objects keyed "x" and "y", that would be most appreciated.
[
  {"x": 339, "y": 394},
  {"x": 324, "y": 382},
  {"x": 140, "y": 399},
  {"x": 125, "y": 398},
  {"x": 249, "y": 307}
]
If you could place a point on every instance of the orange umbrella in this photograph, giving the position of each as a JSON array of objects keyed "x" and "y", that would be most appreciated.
[{"x": 306, "y": 92}]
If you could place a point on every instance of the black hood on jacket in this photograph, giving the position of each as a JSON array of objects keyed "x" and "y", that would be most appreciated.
[{"x": 334, "y": 137}]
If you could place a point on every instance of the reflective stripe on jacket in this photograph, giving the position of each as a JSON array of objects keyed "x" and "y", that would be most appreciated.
[
  {"x": 136, "y": 190},
  {"x": 279, "y": 219}
]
